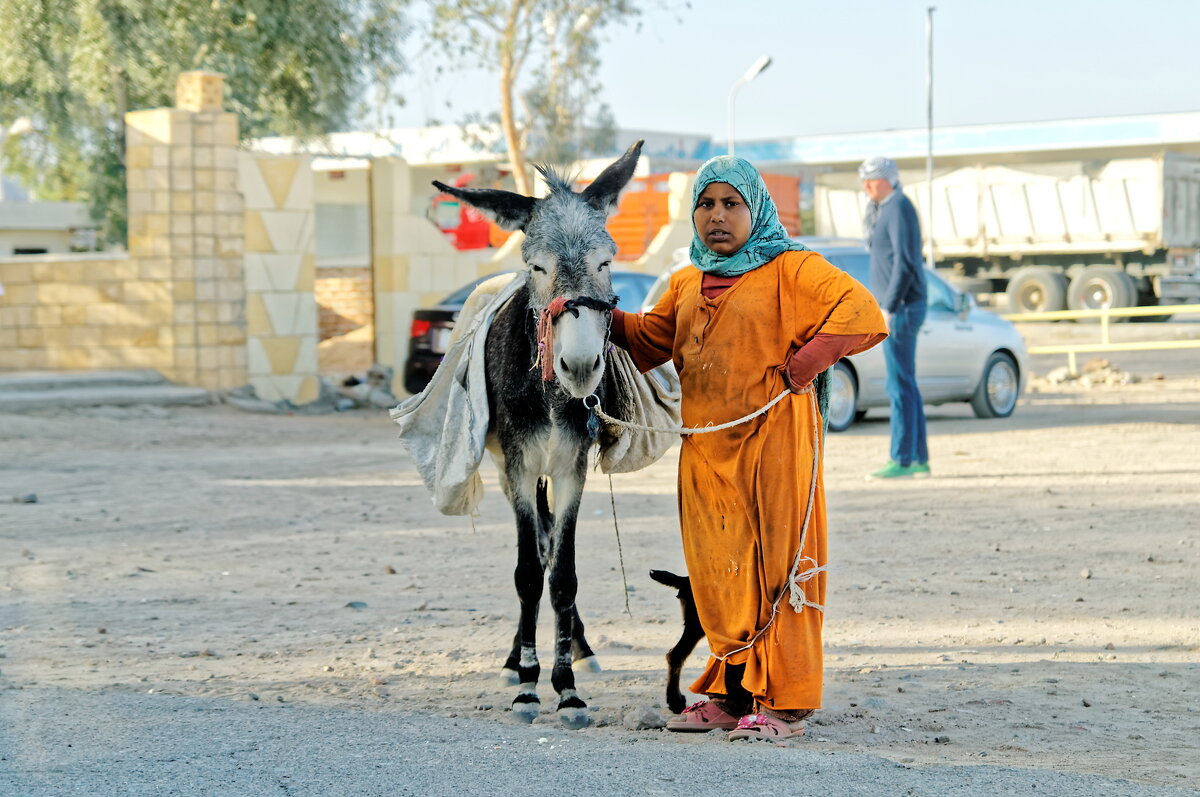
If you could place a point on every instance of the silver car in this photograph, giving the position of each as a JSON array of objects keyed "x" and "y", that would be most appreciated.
[{"x": 964, "y": 353}]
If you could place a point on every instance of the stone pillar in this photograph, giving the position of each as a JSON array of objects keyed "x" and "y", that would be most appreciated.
[
  {"x": 280, "y": 262},
  {"x": 391, "y": 247},
  {"x": 413, "y": 264},
  {"x": 186, "y": 227}
]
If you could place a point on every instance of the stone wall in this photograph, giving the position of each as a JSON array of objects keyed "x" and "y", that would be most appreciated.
[
  {"x": 345, "y": 300},
  {"x": 61, "y": 312},
  {"x": 176, "y": 302}
]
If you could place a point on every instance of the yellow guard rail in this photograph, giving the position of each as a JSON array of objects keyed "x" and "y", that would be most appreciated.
[{"x": 1106, "y": 344}]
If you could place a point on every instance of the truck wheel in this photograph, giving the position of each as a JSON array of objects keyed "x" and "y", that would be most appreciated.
[
  {"x": 1037, "y": 289},
  {"x": 996, "y": 394},
  {"x": 843, "y": 397},
  {"x": 1101, "y": 286}
]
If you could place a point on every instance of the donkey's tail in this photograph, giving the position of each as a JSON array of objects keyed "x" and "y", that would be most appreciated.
[{"x": 543, "y": 504}]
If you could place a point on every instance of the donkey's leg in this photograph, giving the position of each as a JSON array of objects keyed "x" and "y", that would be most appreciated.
[
  {"x": 509, "y": 674},
  {"x": 529, "y": 577},
  {"x": 583, "y": 657},
  {"x": 564, "y": 585}
]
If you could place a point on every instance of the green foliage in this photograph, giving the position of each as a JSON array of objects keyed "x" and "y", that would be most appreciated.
[
  {"x": 292, "y": 67},
  {"x": 564, "y": 120},
  {"x": 546, "y": 51}
]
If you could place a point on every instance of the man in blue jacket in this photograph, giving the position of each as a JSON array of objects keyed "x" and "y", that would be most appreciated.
[{"x": 898, "y": 281}]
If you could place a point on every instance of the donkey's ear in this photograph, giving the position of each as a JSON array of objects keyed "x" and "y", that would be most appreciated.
[
  {"x": 604, "y": 191},
  {"x": 510, "y": 211}
]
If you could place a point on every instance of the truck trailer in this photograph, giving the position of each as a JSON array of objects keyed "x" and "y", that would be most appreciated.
[{"x": 1077, "y": 234}]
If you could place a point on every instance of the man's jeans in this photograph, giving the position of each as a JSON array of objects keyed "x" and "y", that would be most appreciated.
[{"x": 908, "y": 411}]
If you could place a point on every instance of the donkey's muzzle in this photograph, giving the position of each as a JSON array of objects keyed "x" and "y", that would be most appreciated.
[
  {"x": 578, "y": 367},
  {"x": 580, "y": 374}
]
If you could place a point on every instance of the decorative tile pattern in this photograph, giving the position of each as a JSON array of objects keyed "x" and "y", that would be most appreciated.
[{"x": 279, "y": 267}]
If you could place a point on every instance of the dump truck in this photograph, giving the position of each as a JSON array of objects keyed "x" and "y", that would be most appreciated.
[{"x": 1080, "y": 234}]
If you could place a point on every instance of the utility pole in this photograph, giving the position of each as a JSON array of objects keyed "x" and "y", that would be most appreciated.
[{"x": 929, "y": 129}]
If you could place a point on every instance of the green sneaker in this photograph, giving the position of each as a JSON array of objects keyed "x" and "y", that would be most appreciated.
[
  {"x": 892, "y": 470},
  {"x": 920, "y": 470}
]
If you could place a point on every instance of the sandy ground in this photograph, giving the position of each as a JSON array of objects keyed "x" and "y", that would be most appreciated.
[{"x": 1028, "y": 617}]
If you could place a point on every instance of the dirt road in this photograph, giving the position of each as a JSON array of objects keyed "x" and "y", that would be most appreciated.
[{"x": 205, "y": 601}]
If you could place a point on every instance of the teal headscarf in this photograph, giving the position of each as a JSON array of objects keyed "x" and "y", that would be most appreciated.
[{"x": 768, "y": 239}]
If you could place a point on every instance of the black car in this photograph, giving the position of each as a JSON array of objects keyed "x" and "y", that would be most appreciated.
[{"x": 429, "y": 336}]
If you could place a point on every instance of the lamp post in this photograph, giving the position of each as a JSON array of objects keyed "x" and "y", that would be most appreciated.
[
  {"x": 22, "y": 125},
  {"x": 758, "y": 66}
]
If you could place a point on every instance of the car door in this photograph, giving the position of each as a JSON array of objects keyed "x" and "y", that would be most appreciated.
[{"x": 946, "y": 346}]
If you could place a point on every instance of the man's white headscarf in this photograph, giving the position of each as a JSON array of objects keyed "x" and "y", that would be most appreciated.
[
  {"x": 880, "y": 168},
  {"x": 877, "y": 168}
]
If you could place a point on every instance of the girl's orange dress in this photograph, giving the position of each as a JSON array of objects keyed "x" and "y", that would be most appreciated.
[{"x": 743, "y": 492}]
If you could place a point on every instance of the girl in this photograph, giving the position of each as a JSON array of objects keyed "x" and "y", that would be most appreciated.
[{"x": 758, "y": 315}]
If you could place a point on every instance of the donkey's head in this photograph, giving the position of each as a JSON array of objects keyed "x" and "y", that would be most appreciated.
[{"x": 568, "y": 253}]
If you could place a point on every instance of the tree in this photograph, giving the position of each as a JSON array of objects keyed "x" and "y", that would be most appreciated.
[
  {"x": 293, "y": 67},
  {"x": 546, "y": 53}
]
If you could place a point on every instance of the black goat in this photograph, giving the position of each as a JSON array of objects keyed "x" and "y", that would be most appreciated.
[{"x": 692, "y": 634}]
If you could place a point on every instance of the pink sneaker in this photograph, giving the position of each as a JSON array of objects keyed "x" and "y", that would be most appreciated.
[{"x": 702, "y": 717}]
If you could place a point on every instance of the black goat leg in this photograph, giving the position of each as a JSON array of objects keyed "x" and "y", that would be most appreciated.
[{"x": 693, "y": 632}]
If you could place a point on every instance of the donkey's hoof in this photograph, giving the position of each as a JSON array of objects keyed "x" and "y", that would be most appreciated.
[
  {"x": 509, "y": 677},
  {"x": 526, "y": 711},
  {"x": 574, "y": 719},
  {"x": 587, "y": 664}
]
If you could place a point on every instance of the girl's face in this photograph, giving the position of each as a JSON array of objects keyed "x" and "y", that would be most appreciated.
[{"x": 722, "y": 219}]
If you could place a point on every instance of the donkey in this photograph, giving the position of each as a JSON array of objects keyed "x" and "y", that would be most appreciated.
[{"x": 541, "y": 428}]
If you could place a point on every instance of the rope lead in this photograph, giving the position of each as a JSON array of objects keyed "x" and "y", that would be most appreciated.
[{"x": 684, "y": 429}]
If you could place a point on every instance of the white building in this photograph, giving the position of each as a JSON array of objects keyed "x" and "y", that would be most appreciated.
[{"x": 39, "y": 228}]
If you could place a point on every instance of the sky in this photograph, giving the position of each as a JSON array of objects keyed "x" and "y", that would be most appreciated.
[{"x": 859, "y": 65}]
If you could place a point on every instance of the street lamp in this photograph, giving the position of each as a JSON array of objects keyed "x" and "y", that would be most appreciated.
[
  {"x": 758, "y": 66},
  {"x": 22, "y": 125}
]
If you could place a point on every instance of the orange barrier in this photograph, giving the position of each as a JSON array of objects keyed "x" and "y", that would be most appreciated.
[{"x": 642, "y": 212}]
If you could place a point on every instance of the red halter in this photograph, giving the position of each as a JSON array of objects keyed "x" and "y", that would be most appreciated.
[{"x": 545, "y": 327}]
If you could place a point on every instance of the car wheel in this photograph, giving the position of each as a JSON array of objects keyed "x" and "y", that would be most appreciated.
[
  {"x": 1037, "y": 289},
  {"x": 843, "y": 396},
  {"x": 996, "y": 395}
]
